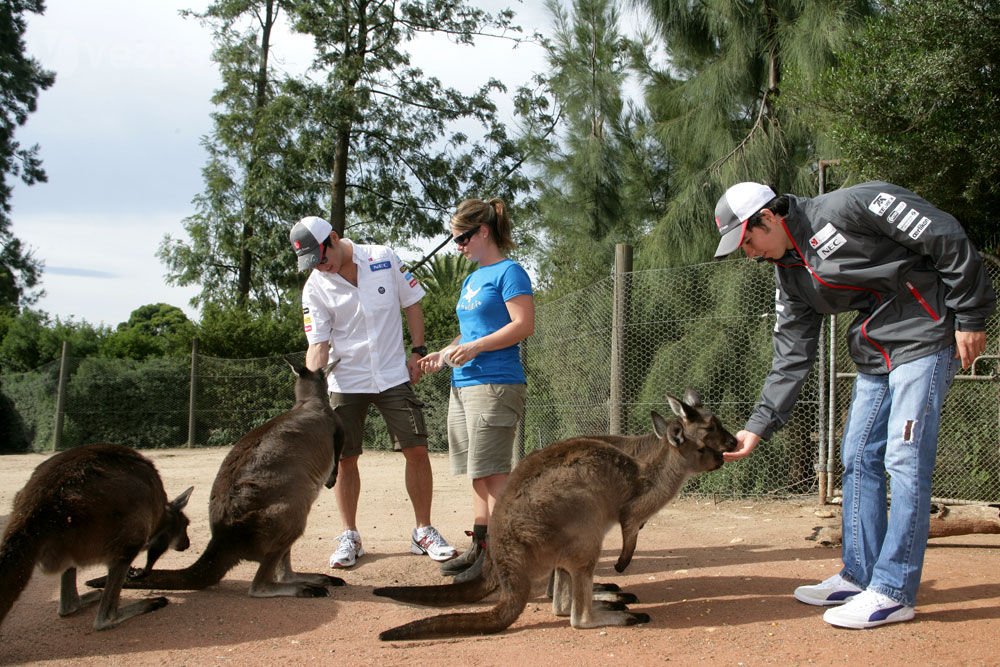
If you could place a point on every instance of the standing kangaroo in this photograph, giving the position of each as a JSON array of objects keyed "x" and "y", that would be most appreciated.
[
  {"x": 559, "y": 503},
  {"x": 261, "y": 499},
  {"x": 95, "y": 504}
]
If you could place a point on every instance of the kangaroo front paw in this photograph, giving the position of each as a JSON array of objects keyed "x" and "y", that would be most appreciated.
[
  {"x": 158, "y": 603},
  {"x": 335, "y": 581}
]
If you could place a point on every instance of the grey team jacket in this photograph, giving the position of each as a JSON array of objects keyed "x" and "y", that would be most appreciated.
[{"x": 905, "y": 266}]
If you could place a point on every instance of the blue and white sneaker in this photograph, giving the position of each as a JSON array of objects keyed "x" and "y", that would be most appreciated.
[
  {"x": 868, "y": 609},
  {"x": 829, "y": 592}
]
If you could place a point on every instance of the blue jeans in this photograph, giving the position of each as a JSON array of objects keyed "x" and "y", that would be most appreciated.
[{"x": 892, "y": 428}]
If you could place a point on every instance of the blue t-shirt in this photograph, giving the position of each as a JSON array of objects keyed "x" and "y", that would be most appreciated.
[{"x": 482, "y": 309}]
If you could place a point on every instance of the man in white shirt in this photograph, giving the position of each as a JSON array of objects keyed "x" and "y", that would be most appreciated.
[{"x": 351, "y": 310}]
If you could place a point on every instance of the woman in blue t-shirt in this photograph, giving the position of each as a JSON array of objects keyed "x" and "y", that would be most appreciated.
[{"x": 496, "y": 311}]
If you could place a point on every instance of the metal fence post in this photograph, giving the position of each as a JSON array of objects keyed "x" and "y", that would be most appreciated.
[
  {"x": 61, "y": 397},
  {"x": 193, "y": 391},
  {"x": 623, "y": 267}
]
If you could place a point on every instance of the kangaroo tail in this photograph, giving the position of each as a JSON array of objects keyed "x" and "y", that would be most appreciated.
[
  {"x": 18, "y": 554},
  {"x": 209, "y": 569},
  {"x": 443, "y": 595},
  {"x": 509, "y": 606}
]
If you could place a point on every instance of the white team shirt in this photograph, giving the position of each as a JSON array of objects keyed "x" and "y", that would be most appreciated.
[{"x": 363, "y": 324}]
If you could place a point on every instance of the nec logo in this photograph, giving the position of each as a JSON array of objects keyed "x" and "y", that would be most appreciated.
[{"x": 832, "y": 246}]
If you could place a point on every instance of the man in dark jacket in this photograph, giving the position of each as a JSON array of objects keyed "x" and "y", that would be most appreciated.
[{"x": 922, "y": 297}]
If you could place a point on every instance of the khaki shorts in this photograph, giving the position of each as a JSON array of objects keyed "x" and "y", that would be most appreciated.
[
  {"x": 482, "y": 423},
  {"x": 402, "y": 410}
]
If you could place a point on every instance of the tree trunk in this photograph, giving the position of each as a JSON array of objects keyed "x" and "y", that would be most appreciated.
[
  {"x": 250, "y": 209},
  {"x": 946, "y": 521},
  {"x": 338, "y": 195}
]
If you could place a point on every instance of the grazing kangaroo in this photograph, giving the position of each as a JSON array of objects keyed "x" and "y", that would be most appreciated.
[
  {"x": 95, "y": 504},
  {"x": 559, "y": 503},
  {"x": 261, "y": 499}
]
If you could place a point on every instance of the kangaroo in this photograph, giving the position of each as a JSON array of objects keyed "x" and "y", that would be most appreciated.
[
  {"x": 559, "y": 503},
  {"x": 261, "y": 498},
  {"x": 95, "y": 504}
]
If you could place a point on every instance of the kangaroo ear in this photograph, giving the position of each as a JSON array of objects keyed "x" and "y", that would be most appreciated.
[
  {"x": 330, "y": 366},
  {"x": 692, "y": 397},
  {"x": 659, "y": 424},
  {"x": 682, "y": 410},
  {"x": 671, "y": 431},
  {"x": 181, "y": 501}
]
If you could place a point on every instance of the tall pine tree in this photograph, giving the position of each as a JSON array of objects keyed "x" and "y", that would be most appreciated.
[
  {"x": 718, "y": 109},
  {"x": 21, "y": 80}
]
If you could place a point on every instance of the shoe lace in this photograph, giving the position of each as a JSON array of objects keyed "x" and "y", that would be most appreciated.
[
  {"x": 347, "y": 543},
  {"x": 430, "y": 536}
]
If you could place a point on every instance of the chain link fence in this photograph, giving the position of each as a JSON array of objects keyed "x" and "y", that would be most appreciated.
[{"x": 601, "y": 360}]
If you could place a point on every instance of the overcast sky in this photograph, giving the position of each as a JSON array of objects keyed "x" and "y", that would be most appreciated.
[{"x": 120, "y": 134}]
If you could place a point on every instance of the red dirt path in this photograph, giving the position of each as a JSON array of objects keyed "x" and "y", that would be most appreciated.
[{"x": 716, "y": 578}]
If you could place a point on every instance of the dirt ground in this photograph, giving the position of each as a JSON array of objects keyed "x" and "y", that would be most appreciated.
[{"x": 716, "y": 578}]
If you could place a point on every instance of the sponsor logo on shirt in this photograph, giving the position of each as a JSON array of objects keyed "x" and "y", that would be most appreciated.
[
  {"x": 380, "y": 266},
  {"x": 407, "y": 275},
  {"x": 900, "y": 207},
  {"x": 381, "y": 290},
  {"x": 822, "y": 236},
  {"x": 469, "y": 299},
  {"x": 908, "y": 219},
  {"x": 881, "y": 203},
  {"x": 921, "y": 226},
  {"x": 305, "y": 310},
  {"x": 413, "y": 283},
  {"x": 832, "y": 246}
]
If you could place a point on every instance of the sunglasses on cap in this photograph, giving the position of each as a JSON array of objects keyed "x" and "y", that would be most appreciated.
[{"x": 464, "y": 237}]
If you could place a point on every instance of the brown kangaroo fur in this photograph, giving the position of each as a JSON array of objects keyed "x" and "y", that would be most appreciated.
[
  {"x": 559, "y": 503},
  {"x": 95, "y": 504},
  {"x": 261, "y": 499}
]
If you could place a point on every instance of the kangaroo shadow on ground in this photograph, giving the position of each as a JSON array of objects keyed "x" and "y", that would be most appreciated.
[
  {"x": 219, "y": 616},
  {"x": 664, "y": 560}
]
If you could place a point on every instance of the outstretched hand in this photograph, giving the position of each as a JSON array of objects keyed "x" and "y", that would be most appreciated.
[{"x": 748, "y": 441}]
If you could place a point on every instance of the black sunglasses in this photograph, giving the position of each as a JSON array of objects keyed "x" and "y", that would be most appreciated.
[{"x": 464, "y": 237}]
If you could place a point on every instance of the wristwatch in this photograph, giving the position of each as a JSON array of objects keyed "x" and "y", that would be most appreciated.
[{"x": 419, "y": 349}]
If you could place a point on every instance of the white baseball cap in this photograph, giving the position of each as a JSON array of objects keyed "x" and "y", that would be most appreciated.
[
  {"x": 735, "y": 207},
  {"x": 307, "y": 238}
]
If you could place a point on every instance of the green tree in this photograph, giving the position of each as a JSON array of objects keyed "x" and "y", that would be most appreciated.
[
  {"x": 237, "y": 245},
  {"x": 916, "y": 101},
  {"x": 717, "y": 105},
  {"x": 32, "y": 339},
  {"x": 373, "y": 143},
  {"x": 391, "y": 141},
  {"x": 600, "y": 181},
  {"x": 21, "y": 80},
  {"x": 153, "y": 330},
  {"x": 226, "y": 331}
]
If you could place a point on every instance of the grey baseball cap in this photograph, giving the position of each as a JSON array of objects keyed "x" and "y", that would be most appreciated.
[
  {"x": 307, "y": 238},
  {"x": 735, "y": 207}
]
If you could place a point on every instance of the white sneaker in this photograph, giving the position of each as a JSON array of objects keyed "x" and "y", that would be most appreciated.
[
  {"x": 868, "y": 609},
  {"x": 348, "y": 551},
  {"x": 835, "y": 590},
  {"x": 428, "y": 541}
]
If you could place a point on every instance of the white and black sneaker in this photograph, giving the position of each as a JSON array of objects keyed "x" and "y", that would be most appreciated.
[
  {"x": 348, "y": 551},
  {"x": 868, "y": 609},
  {"x": 428, "y": 540}
]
